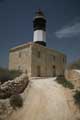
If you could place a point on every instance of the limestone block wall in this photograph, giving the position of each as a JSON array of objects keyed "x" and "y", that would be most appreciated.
[
  {"x": 46, "y": 59},
  {"x": 38, "y": 60},
  {"x": 20, "y": 59}
]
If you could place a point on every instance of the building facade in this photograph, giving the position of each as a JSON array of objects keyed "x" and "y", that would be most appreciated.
[{"x": 35, "y": 58}]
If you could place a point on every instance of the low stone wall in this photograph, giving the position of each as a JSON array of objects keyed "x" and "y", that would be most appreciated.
[
  {"x": 9, "y": 88},
  {"x": 12, "y": 87}
]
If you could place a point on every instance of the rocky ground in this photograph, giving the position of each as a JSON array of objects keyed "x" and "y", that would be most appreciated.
[{"x": 43, "y": 99}]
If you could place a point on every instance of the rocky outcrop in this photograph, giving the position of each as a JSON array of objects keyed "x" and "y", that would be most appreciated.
[
  {"x": 74, "y": 76},
  {"x": 12, "y": 87},
  {"x": 9, "y": 88},
  {"x": 5, "y": 109}
]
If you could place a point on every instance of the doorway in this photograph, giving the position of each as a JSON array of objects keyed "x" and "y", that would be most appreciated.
[
  {"x": 54, "y": 70},
  {"x": 38, "y": 71}
]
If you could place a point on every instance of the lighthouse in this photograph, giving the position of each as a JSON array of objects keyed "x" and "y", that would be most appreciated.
[
  {"x": 39, "y": 28},
  {"x": 35, "y": 58}
]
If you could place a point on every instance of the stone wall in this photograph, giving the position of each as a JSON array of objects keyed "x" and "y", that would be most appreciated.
[
  {"x": 46, "y": 59},
  {"x": 12, "y": 87},
  {"x": 20, "y": 59}
]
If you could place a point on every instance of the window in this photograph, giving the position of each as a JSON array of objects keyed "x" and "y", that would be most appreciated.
[
  {"x": 63, "y": 72},
  {"x": 53, "y": 58},
  {"x": 64, "y": 60},
  {"x": 19, "y": 54},
  {"x": 53, "y": 67},
  {"x": 38, "y": 71},
  {"x": 19, "y": 67},
  {"x": 38, "y": 54}
]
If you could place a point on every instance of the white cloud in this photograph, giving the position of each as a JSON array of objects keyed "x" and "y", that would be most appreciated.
[{"x": 69, "y": 31}]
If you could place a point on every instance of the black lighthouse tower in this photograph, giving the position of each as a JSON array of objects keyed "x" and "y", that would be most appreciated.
[{"x": 39, "y": 27}]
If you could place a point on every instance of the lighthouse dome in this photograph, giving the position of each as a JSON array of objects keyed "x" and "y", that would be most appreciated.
[{"x": 39, "y": 14}]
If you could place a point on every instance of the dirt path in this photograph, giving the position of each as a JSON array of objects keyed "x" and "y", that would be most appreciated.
[{"x": 45, "y": 100}]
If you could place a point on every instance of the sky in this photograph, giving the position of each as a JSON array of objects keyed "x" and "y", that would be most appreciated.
[{"x": 63, "y": 25}]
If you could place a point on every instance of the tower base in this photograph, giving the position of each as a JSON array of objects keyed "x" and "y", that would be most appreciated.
[{"x": 41, "y": 43}]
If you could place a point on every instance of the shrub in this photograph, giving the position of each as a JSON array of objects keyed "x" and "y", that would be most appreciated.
[
  {"x": 6, "y": 75},
  {"x": 61, "y": 80},
  {"x": 14, "y": 73},
  {"x": 16, "y": 101},
  {"x": 77, "y": 98}
]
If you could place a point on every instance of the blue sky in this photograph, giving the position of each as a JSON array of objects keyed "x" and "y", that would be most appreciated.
[{"x": 63, "y": 25}]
